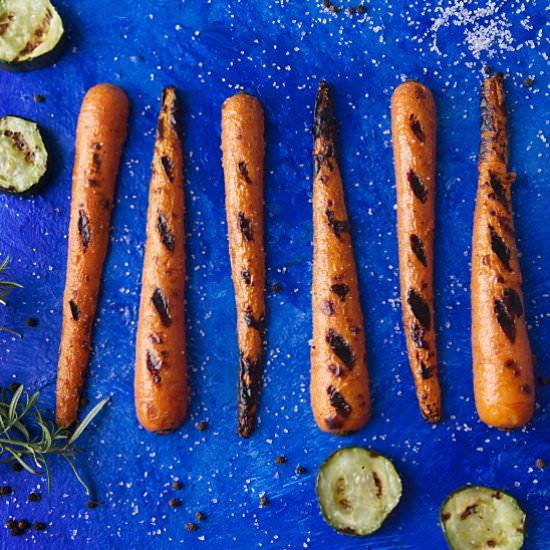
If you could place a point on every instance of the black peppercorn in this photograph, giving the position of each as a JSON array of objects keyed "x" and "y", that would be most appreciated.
[
  {"x": 5, "y": 490},
  {"x": 280, "y": 459},
  {"x": 14, "y": 386},
  {"x": 191, "y": 526},
  {"x": 199, "y": 516},
  {"x": 16, "y": 532},
  {"x": 174, "y": 502},
  {"x": 23, "y": 524},
  {"x": 528, "y": 81},
  {"x": 177, "y": 485},
  {"x": 201, "y": 426},
  {"x": 39, "y": 98},
  {"x": 32, "y": 322},
  {"x": 39, "y": 526},
  {"x": 92, "y": 504},
  {"x": 16, "y": 467},
  {"x": 34, "y": 497},
  {"x": 361, "y": 8},
  {"x": 10, "y": 524},
  {"x": 300, "y": 470},
  {"x": 264, "y": 501}
]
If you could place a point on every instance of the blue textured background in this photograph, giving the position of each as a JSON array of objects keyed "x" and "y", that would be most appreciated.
[{"x": 278, "y": 50}]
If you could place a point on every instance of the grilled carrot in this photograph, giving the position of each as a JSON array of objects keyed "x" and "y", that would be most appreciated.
[
  {"x": 502, "y": 360},
  {"x": 414, "y": 146},
  {"x": 340, "y": 396},
  {"x": 100, "y": 137},
  {"x": 160, "y": 385},
  {"x": 243, "y": 161}
]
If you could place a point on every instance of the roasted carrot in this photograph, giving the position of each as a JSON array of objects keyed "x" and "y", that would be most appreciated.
[
  {"x": 502, "y": 360},
  {"x": 100, "y": 137},
  {"x": 340, "y": 395},
  {"x": 414, "y": 146},
  {"x": 243, "y": 162},
  {"x": 160, "y": 385}
]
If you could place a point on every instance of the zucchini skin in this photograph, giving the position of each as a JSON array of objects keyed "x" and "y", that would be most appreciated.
[
  {"x": 46, "y": 177},
  {"x": 41, "y": 62}
]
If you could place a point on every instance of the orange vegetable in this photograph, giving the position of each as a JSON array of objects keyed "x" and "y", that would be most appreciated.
[
  {"x": 339, "y": 387},
  {"x": 160, "y": 385},
  {"x": 502, "y": 361},
  {"x": 100, "y": 137},
  {"x": 414, "y": 145},
  {"x": 243, "y": 162}
]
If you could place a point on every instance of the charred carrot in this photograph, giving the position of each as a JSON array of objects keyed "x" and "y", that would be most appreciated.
[
  {"x": 502, "y": 360},
  {"x": 414, "y": 146},
  {"x": 339, "y": 388},
  {"x": 160, "y": 384},
  {"x": 100, "y": 136},
  {"x": 243, "y": 162}
]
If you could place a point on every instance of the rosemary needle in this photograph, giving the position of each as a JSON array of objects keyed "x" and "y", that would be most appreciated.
[
  {"x": 30, "y": 440},
  {"x": 5, "y": 288}
]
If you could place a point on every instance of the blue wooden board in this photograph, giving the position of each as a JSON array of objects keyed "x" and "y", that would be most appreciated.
[{"x": 278, "y": 50}]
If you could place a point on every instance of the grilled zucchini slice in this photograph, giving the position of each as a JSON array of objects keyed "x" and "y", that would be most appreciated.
[
  {"x": 478, "y": 517},
  {"x": 31, "y": 34},
  {"x": 357, "y": 489},
  {"x": 23, "y": 156}
]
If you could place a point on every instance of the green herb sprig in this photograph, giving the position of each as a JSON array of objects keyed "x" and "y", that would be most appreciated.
[
  {"x": 20, "y": 418},
  {"x": 6, "y": 287}
]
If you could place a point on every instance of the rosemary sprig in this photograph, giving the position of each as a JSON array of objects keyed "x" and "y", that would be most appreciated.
[
  {"x": 5, "y": 288},
  {"x": 21, "y": 419}
]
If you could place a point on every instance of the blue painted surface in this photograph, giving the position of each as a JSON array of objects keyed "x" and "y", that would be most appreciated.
[{"x": 278, "y": 50}]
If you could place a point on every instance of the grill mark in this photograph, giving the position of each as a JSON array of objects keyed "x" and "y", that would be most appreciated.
[
  {"x": 334, "y": 423},
  {"x": 245, "y": 227},
  {"x": 84, "y": 228},
  {"x": 500, "y": 249},
  {"x": 154, "y": 366},
  {"x": 248, "y": 391},
  {"x": 377, "y": 483},
  {"x": 243, "y": 170},
  {"x": 468, "y": 511},
  {"x": 486, "y": 115},
  {"x": 161, "y": 305},
  {"x": 96, "y": 161},
  {"x": 166, "y": 235},
  {"x": 5, "y": 22},
  {"x": 340, "y": 348},
  {"x": 252, "y": 322},
  {"x": 247, "y": 278},
  {"x": 499, "y": 190},
  {"x": 324, "y": 121},
  {"x": 417, "y": 246},
  {"x": 75, "y": 311},
  {"x": 337, "y": 401},
  {"x": 426, "y": 372},
  {"x": 417, "y": 334},
  {"x": 417, "y": 185},
  {"x": 416, "y": 128},
  {"x": 38, "y": 33},
  {"x": 419, "y": 308},
  {"x": 168, "y": 167},
  {"x": 507, "y": 309},
  {"x": 340, "y": 290},
  {"x": 19, "y": 142},
  {"x": 338, "y": 226}
]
